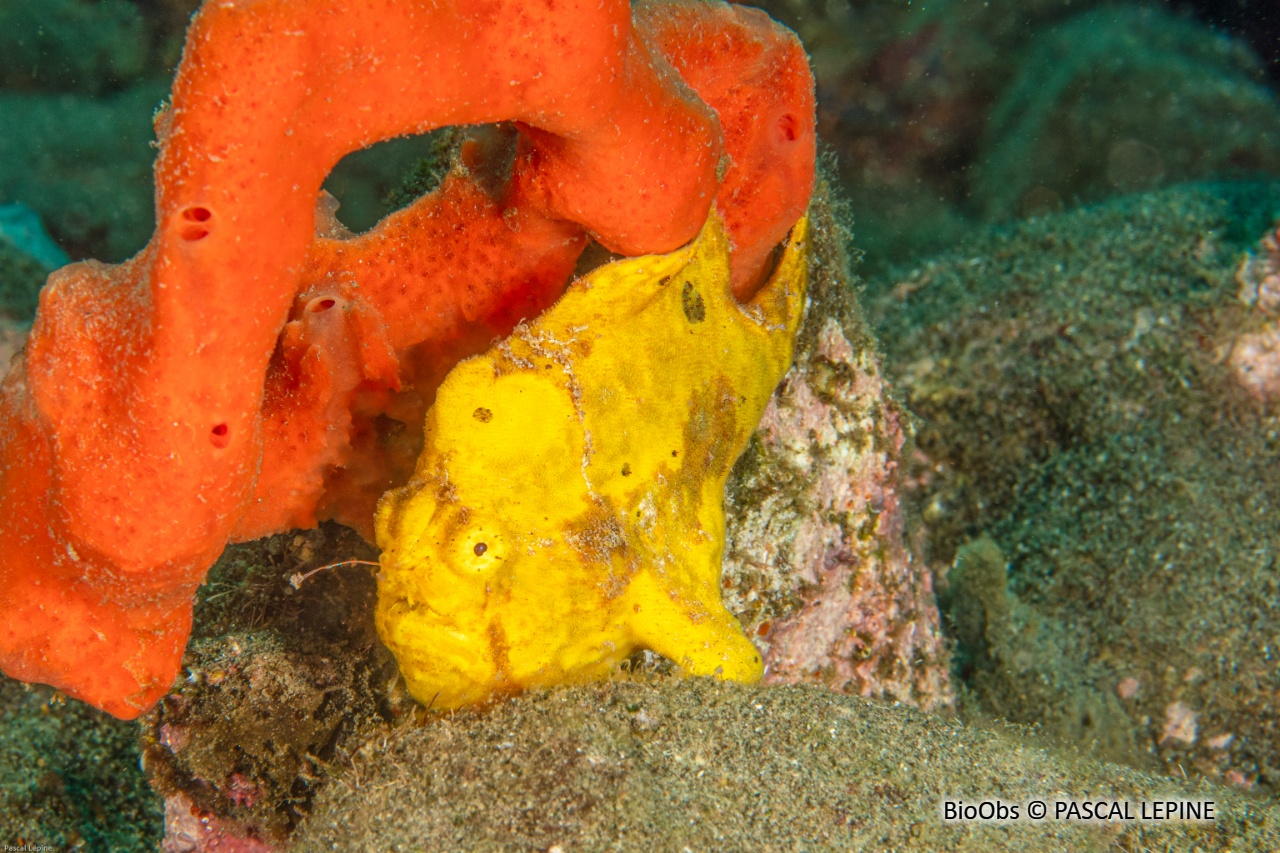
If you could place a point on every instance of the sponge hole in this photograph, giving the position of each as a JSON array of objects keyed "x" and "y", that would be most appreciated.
[
  {"x": 220, "y": 435},
  {"x": 193, "y": 219},
  {"x": 324, "y": 303},
  {"x": 788, "y": 128}
]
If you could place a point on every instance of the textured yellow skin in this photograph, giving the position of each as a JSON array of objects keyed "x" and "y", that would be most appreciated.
[{"x": 588, "y": 454}]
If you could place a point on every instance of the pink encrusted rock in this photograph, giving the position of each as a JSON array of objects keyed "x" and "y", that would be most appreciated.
[
  {"x": 1259, "y": 274},
  {"x": 816, "y": 565},
  {"x": 1179, "y": 724},
  {"x": 1128, "y": 688},
  {"x": 1255, "y": 358},
  {"x": 188, "y": 830},
  {"x": 1255, "y": 355}
]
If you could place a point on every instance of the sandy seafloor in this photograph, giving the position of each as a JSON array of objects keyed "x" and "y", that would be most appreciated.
[{"x": 1094, "y": 486}]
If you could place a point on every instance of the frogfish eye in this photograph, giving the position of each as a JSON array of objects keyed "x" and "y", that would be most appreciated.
[{"x": 479, "y": 547}]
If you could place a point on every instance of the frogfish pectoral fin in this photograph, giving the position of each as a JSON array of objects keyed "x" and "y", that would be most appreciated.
[{"x": 701, "y": 637}]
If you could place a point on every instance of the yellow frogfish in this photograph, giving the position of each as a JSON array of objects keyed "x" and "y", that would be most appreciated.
[{"x": 568, "y": 507}]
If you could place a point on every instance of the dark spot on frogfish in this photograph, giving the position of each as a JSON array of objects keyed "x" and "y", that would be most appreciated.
[
  {"x": 480, "y": 549},
  {"x": 482, "y": 414},
  {"x": 694, "y": 310}
]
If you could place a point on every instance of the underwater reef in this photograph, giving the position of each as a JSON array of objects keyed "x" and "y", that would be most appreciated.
[{"x": 1004, "y": 528}]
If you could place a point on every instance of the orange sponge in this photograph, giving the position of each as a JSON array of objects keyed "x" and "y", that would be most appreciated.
[{"x": 229, "y": 381}]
